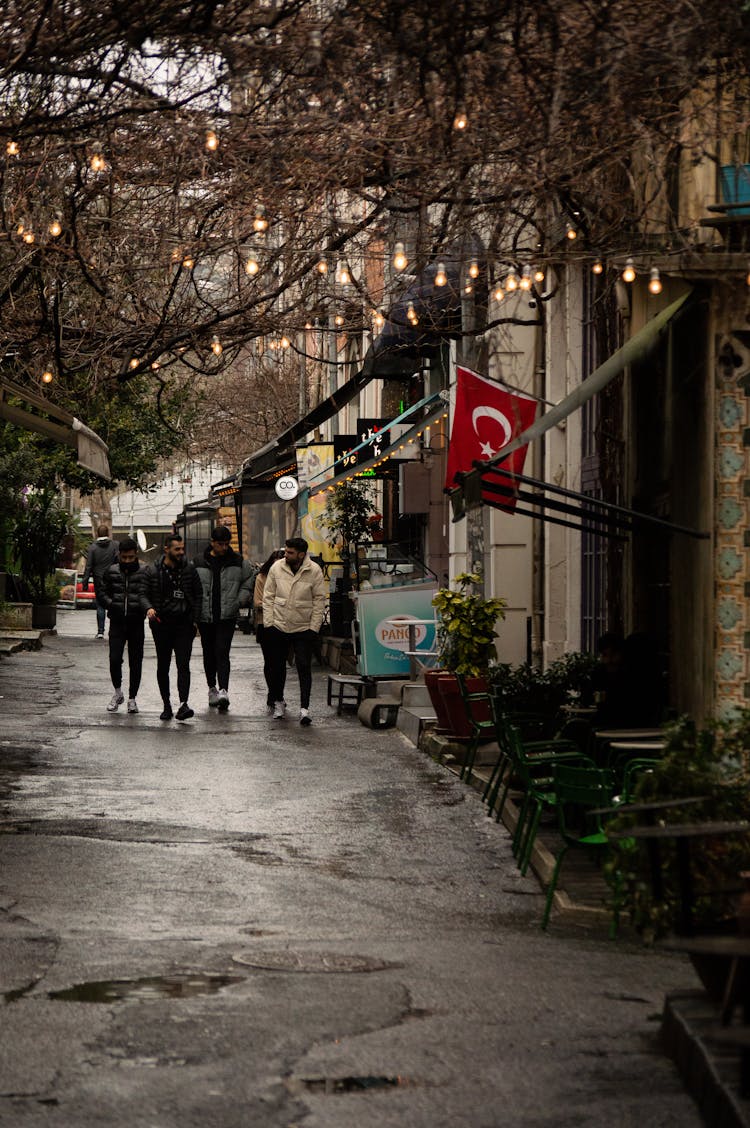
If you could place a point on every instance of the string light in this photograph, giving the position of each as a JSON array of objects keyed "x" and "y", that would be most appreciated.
[
  {"x": 134, "y": 362},
  {"x": 55, "y": 227},
  {"x": 47, "y": 377},
  {"x": 252, "y": 266},
  {"x": 28, "y": 235},
  {"x": 343, "y": 276},
  {"x": 654, "y": 285},
  {"x": 411, "y": 314},
  {"x": 441, "y": 277},
  {"x": 377, "y": 319},
  {"x": 216, "y": 346},
  {"x": 20, "y": 229},
  {"x": 468, "y": 286},
  {"x": 571, "y": 233},
  {"x": 498, "y": 293},
  {"x": 97, "y": 162},
  {"x": 598, "y": 267},
  {"x": 12, "y": 148},
  {"x": 285, "y": 343},
  {"x": 628, "y": 274},
  {"x": 511, "y": 281},
  {"x": 525, "y": 282},
  {"x": 338, "y": 319},
  {"x": 539, "y": 274},
  {"x": 400, "y": 261},
  {"x": 473, "y": 269},
  {"x": 460, "y": 121},
  {"x": 188, "y": 262},
  {"x": 322, "y": 265},
  {"x": 212, "y": 140},
  {"x": 260, "y": 223},
  {"x": 155, "y": 366}
]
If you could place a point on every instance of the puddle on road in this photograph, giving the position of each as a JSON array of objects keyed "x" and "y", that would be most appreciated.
[
  {"x": 150, "y": 987},
  {"x": 336, "y": 1085}
]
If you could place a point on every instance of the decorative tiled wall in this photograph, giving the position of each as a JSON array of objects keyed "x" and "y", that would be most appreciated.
[{"x": 732, "y": 545}]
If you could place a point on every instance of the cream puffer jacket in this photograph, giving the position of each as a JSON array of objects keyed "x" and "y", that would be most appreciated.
[{"x": 294, "y": 601}]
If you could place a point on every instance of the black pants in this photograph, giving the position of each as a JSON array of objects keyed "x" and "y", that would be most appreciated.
[
  {"x": 265, "y": 642},
  {"x": 302, "y": 644},
  {"x": 216, "y": 640},
  {"x": 126, "y": 629},
  {"x": 173, "y": 636}
]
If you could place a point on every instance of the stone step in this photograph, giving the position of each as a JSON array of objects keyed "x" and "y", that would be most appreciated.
[{"x": 413, "y": 722}]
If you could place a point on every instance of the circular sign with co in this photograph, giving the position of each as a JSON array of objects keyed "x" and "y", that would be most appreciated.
[{"x": 287, "y": 488}]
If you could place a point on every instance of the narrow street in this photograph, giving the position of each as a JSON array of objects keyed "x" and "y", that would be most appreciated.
[{"x": 235, "y": 922}]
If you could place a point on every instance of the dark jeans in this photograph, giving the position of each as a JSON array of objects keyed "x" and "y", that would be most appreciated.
[
  {"x": 101, "y": 617},
  {"x": 173, "y": 636},
  {"x": 126, "y": 629},
  {"x": 216, "y": 640},
  {"x": 265, "y": 643},
  {"x": 302, "y": 644}
]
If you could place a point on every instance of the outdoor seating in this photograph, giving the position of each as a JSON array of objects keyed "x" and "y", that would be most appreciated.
[
  {"x": 345, "y": 691},
  {"x": 480, "y": 713}
]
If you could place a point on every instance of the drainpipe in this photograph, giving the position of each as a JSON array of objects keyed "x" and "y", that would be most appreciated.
[{"x": 537, "y": 532}]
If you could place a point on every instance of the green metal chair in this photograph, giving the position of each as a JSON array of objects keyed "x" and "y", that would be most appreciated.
[
  {"x": 578, "y": 792},
  {"x": 530, "y": 727},
  {"x": 480, "y": 714}
]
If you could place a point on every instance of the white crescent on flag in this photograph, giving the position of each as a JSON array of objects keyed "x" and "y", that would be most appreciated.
[{"x": 486, "y": 412}]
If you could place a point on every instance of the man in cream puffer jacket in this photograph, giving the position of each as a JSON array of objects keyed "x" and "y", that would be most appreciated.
[{"x": 294, "y": 600}]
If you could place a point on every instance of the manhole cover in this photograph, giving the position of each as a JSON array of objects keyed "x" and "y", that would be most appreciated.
[{"x": 331, "y": 962}]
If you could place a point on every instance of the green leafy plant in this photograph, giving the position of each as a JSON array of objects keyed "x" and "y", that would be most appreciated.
[
  {"x": 466, "y": 629},
  {"x": 37, "y": 537},
  {"x": 526, "y": 689},
  {"x": 347, "y": 515},
  {"x": 712, "y": 763}
]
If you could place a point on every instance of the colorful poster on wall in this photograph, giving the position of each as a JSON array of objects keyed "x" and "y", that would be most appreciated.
[
  {"x": 315, "y": 465},
  {"x": 384, "y": 619}
]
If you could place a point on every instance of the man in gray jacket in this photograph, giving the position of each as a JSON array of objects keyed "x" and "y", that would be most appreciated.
[
  {"x": 102, "y": 555},
  {"x": 294, "y": 600},
  {"x": 227, "y": 581}
]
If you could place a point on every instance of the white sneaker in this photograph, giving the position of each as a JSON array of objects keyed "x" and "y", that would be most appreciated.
[
  {"x": 223, "y": 701},
  {"x": 132, "y": 707},
  {"x": 213, "y": 696},
  {"x": 279, "y": 710},
  {"x": 304, "y": 717},
  {"x": 117, "y": 700}
]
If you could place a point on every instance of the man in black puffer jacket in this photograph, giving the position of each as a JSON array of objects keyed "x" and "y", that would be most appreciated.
[
  {"x": 121, "y": 591},
  {"x": 172, "y": 599}
]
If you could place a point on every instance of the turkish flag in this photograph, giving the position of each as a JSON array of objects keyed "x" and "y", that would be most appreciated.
[{"x": 485, "y": 419}]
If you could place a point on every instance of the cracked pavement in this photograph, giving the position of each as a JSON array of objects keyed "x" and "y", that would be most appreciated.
[{"x": 293, "y": 927}]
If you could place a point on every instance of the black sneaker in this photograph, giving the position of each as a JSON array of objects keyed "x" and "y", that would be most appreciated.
[
  {"x": 184, "y": 713},
  {"x": 166, "y": 714},
  {"x": 223, "y": 703}
]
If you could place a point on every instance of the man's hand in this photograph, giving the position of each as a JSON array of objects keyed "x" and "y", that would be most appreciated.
[{"x": 151, "y": 615}]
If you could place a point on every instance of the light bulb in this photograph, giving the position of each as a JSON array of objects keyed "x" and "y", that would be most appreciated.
[
  {"x": 473, "y": 269},
  {"x": 440, "y": 276},
  {"x": 260, "y": 223},
  {"x": 12, "y": 148},
  {"x": 468, "y": 286},
  {"x": 525, "y": 282},
  {"x": 377, "y": 319},
  {"x": 212, "y": 141},
  {"x": 628, "y": 274},
  {"x": 598, "y": 267},
  {"x": 55, "y": 228},
  {"x": 511, "y": 281},
  {"x": 539, "y": 274},
  {"x": 411, "y": 313},
  {"x": 285, "y": 343},
  {"x": 571, "y": 233},
  {"x": 188, "y": 262},
  {"x": 47, "y": 377},
  {"x": 216, "y": 347},
  {"x": 20, "y": 229},
  {"x": 342, "y": 275},
  {"x": 654, "y": 285},
  {"x": 460, "y": 121},
  {"x": 28, "y": 236},
  {"x": 400, "y": 261},
  {"x": 322, "y": 265},
  {"x": 498, "y": 293},
  {"x": 338, "y": 319},
  {"x": 134, "y": 362},
  {"x": 97, "y": 162},
  {"x": 252, "y": 266},
  {"x": 155, "y": 366}
]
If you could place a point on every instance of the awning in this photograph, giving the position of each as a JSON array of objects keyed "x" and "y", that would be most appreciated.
[
  {"x": 640, "y": 345},
  {"x": 56, "y": 424},
  {"x": 434, "y": 407}
]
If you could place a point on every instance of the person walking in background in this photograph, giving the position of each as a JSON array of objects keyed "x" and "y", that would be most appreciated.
[
  {"x": 121, "y": 593},
  {"x": 226, "y": 579},
  {"x": 101, "y": 555},
  {"x": 293, "y": 607},
  {"x": 171, "y": 599},
  {"x": 260, "y": 630}
]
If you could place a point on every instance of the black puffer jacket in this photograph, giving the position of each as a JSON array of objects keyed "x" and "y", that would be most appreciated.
[
  {"x": 121, "y": 591},
  {"x": 160, "y": 586}
]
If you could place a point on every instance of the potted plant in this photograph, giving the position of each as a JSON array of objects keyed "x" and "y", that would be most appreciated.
[
  {"x": 466, "y": 645},
  {"x": 347, "y": 520},
  {"x": 526, "y": 689},
  {"x": 36, "y": 539}
]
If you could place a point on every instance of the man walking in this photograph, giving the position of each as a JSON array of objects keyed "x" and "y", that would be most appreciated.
[
  {"x": 121, "y": 592},
  {"x": 293, "y": 605},
  {"x": 171, "y": 599},
  {"x": 226, "y": 579},
  {"x": 101, "y": 555}
]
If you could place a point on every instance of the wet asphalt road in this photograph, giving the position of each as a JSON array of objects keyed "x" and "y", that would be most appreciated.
[{"x": 254, "y": 924}]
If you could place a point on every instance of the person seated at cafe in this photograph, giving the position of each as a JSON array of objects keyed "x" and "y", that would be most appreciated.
[
  {"x": 608, "y": 683},
  {"x": 644, "y": 681}
]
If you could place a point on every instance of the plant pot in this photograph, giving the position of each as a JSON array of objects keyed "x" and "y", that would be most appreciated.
[
  {"x": 16, "y": 617},
  {"x": 44, "y": 616},
  {"x": 449, "y": 704},
  {"x": 431, "y": 678}
]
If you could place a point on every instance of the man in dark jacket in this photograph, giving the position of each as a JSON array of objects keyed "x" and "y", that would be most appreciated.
[
  {"x": 121, "y": 591},
  {"x": 101, "y": 555},
  {"x": 227, "y": 585},
  {"x": 172, "y": 601}
]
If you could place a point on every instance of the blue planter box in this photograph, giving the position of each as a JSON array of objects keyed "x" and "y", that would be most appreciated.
[{"x": 735, "y": 187}]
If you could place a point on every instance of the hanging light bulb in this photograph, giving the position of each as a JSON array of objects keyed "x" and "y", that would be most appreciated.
[
  {"x": 28, "y": 235},
  {"x": 212, "y": 140},
  {"x": 440, "y": 276},
  {"x": 134, "y": 362},
  {"x": 338, "y": 319},
  {"x": 343, "y": 276},
  {"x": 473, "y": 269},
  {"x": 628, "y": 274},
  {"x": 498, "y": 293},
  {"x": 285, "y": 343},
  {"x": 468, "y": 286},
  {"x": 571, "y": 233},
  {"x": 525, "y": 282},
  {"x": 216, "y": 346},
  {"x": 460, "y": 121},
  {"x": 47, "y": 376},
  {"x": 654, "y": 285},
  {"x": 97, "y": 162},
  {"x": 539, "y": 274},
  {"x": 377, "y": 319},
  {"x": 252, "y": 265},
  {"x": 511, "y": 281},
  {"x": 598, "y": 267},
  {"x": 155, "y": 366},
  {"x": 411, "y": 313},
  {"x": 55, "y": 227},
  {"x": 188, "y": 262},
  {"x": 322, "y": 265},
  {"x": 400, "y": 261},
  {"x": 20, "y": 228},
  {"x": 12, "y": 148},
  {"x": 260, "y": 223}
]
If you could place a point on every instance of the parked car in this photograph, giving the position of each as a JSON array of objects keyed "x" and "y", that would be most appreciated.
[{"x": 84, "y": 598}]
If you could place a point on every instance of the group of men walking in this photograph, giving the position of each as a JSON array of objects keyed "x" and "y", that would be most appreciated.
[{"x": 180, "y": 598}]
